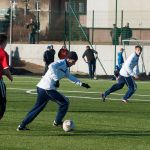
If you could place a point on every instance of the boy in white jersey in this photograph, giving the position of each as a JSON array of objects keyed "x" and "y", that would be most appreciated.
[
  {"x": 47, "y": 90},
  {"x": 128, "y": 71}
]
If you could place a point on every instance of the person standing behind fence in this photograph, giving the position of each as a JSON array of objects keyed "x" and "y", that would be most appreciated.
[
  {"x": 32, "y": 26},
  {"x": 63, "y": 52},
  {"x": 126, "y": 33},
  {"x": 120, "y": 58},
  {"x": 4, "y": 69},
  {"x": 115, "y": 34},
  {"x": 48, "y": 57},
  {"x": 90, "y": 60}
]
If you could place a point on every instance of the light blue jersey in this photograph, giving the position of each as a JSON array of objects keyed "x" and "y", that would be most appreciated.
[
  {"x": 130, "y": 67},
  {"x": 56, "y": 71}
]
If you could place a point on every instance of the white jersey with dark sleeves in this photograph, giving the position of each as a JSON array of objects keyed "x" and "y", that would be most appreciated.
[{"x": 56, "y": 71}]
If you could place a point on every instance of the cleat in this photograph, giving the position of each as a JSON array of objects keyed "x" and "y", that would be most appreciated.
[
  {"x": 103, "y": 97},
  {"x": 22, "y": 128},
  {"x": 125, "y": 101},
  {"x": 57, "y": 125}
]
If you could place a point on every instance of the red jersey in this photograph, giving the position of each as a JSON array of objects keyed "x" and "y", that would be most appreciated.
[{"x": 3, "y": 61}]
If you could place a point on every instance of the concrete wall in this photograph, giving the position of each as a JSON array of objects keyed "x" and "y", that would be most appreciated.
[{"x": 34, "y": 54}]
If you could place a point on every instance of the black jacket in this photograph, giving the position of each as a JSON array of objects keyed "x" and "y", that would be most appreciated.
[{"x": 49, "y": 56}]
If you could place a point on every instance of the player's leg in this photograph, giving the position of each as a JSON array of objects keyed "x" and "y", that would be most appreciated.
[
  {"x": 94, "y": 68},
  {"x": 30, "y": 38},
  {"x": 2, "y": 99},
  {"x": 33, "y": 38},
  {"x": 90, "y": 69},
  {"x": 40, "y": 104},
  {"x": 117, "y": 86},
  {"x": 63, "y": 104},
  {"x": 131, "y": 87}
]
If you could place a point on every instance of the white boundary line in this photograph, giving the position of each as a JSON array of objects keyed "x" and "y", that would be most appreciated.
[
  {"x": 33, "y": 91},
  {"x": 30, "y": 91}
]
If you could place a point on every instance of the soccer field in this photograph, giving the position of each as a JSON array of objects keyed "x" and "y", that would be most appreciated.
[{"x": 110, "y": 125}]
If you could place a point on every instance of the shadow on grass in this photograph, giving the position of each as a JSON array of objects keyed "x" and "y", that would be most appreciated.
[
  {"x": 12, "y": 148},
  {"x": 82, "y": 133}
]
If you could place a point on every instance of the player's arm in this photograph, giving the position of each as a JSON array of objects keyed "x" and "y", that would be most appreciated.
[
  {"x": 83, "y": 56},
  {"x": 7, "y": 72},
  {"x": 84, "y": 59},
  {"x": 76, "y": 80},
  {"x": 136, "y": 72},
  {"x": 5, "y": 66}
]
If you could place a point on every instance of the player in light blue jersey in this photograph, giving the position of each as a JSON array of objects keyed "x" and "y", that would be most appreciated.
[
  {"x": 128, "y": 71},
  {"x": 47, "y": 90}
]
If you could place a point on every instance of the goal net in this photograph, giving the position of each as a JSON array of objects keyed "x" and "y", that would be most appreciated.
[{"x": 144, "y": 62}]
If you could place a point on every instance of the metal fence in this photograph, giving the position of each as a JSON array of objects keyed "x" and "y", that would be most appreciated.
[{"x": 62, "y": 25}]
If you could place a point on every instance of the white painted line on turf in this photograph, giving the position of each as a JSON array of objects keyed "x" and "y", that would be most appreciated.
[
  {"x": 84, "y": 92},
  {"x": 33, "y": 91},
  {"x": 30, "y": 91},
  {"x": 20, "y": 89},
  {"x": 83, "y": 97}
]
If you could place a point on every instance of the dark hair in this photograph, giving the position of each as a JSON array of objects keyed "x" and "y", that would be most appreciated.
[
  {"x": 139, "y": 46},
  {"x": 88, "y": 47},
  {"x": 3, "y": 38},
  {"x": 72, "y": 55}
]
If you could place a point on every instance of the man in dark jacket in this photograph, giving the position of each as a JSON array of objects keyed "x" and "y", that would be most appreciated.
[
  {"x": 48, "y": 57},
  {"x": 115, "y": 34},
  {"x": 32, "y": 27},
  {"x": 90, "y": 60},
  {"x": 126, "y": 33}
]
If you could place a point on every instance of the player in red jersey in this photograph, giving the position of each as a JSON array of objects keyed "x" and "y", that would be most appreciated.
[{"x": 4, "y": 69}]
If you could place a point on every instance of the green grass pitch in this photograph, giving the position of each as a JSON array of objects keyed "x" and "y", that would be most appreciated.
[{"x": 99, "y": 126}]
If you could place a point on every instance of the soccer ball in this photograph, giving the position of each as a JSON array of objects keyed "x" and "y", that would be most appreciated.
[{"x": 68, "y": 125}]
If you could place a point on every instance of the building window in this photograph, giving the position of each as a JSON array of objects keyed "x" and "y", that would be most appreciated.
[{"x": 82, "y": 8}]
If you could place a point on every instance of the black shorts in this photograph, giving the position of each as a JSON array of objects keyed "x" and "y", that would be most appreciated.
[{"x": 2, "y": 98}]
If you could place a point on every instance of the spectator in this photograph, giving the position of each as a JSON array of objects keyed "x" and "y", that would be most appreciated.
[
  {"x": 120, "y": 63},
  {"x": 126, "y": 33},
  {"x": 120, "y": 58},
  {"x": 115, "y": 34},
  {"x": 90, "y": 60},
  {"x": 63, "y": 52},
  {"x": 48, "y": 57},
  {"x": 32, "y": 26}
]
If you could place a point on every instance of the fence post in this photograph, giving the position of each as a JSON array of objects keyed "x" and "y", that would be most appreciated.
[
  {"x": 115, "y": 36},
  {"x": 65, "y": 28},
  {"x": 92, "y": 27},
  {"x": 69, "y": 23},
  {"x": 121, "y": 23}
]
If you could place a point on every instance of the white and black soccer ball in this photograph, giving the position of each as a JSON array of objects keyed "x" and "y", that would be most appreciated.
[{"x": 68, "y": 125}]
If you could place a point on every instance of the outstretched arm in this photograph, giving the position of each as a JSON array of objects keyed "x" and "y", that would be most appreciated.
[{"x": 77, "y": 81}]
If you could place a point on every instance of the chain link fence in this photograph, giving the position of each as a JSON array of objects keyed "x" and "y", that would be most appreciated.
[{"x": 63, "y": 24}]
